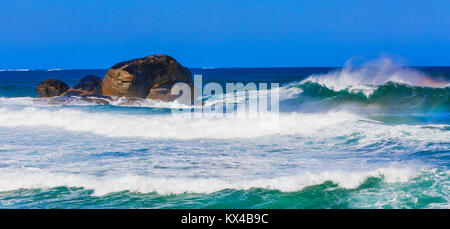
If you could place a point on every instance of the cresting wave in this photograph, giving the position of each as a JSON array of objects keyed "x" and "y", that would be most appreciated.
[
  {"x": 36, "y": 178},
  {"x": 385, "y": 87},
  {"x": 364, "y": 79},
  {"x": 389, "y": 97}
]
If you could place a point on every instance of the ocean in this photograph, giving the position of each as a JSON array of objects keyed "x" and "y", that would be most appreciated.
[{"x": 366, "y": 137}]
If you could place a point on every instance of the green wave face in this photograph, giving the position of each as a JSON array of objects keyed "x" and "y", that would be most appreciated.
[{"x": 388, "y": 97}]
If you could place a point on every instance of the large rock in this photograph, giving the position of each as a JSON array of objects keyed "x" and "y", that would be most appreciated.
[
  {"x": 89, "y": 85},
  {"x": 51, "y": 88},
  {"x": 150, "y": 77}
]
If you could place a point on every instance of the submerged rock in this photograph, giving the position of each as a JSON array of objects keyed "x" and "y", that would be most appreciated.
[
  {"x": 97, "y": 99},
  {"x": 77, "y": 100},
  {"x": 163, "y": 93},
  {"x": 88, "y": 85},
  {"x": 150, "y": 77},
  {"x": 51, "y": 88}
]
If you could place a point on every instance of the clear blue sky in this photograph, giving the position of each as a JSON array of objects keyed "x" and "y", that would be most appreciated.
[{"x": 98, "y": 33}]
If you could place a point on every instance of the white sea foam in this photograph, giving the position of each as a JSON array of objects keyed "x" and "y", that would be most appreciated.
[
  {"x": 167, "y": 126},
  {"x": 36, "y": 178},
  {"x": 283, "y": 93},
  {"x": 44, "y": 102},
  {"x": 77, "y": 101},
  {"x": 138, "y": 102},
  {"x": 406, "y": 196},
  {"x": 177, "y": 127},
  {"x": 17, "y": 101}
]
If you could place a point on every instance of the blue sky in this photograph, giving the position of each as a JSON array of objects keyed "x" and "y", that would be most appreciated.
[{"x": 99, "y": 33}]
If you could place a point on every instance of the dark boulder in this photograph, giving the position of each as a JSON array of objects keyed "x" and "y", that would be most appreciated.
[
  {"x": 51, "y": 88},
  {"x": 150, "y": 77},
  {"x": 88, "y": 85}
]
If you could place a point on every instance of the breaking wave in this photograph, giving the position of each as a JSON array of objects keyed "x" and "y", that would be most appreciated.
[
  {"x": 34, "y": 179},
  {"x": 176, "y": 127},
  {"x": 390, "y": 96},
  {"x": 385, "y": 87}
]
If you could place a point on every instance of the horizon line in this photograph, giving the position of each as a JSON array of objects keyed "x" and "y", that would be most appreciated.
[{"x": 213, "y": 68}]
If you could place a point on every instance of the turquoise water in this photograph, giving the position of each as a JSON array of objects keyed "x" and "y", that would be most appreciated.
[
  {"x": 345, "y": 138},
  {"x": 419, "y": 192}
]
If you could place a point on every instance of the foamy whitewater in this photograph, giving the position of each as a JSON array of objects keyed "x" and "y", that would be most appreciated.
[{"x": 370, "y": 137}]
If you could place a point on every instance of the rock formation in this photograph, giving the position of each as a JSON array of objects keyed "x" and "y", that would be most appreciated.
[
  {"x": 89, "y": 85},
  {"x": 150, "y": 77},
  {"x": 51, "y": 88}
]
